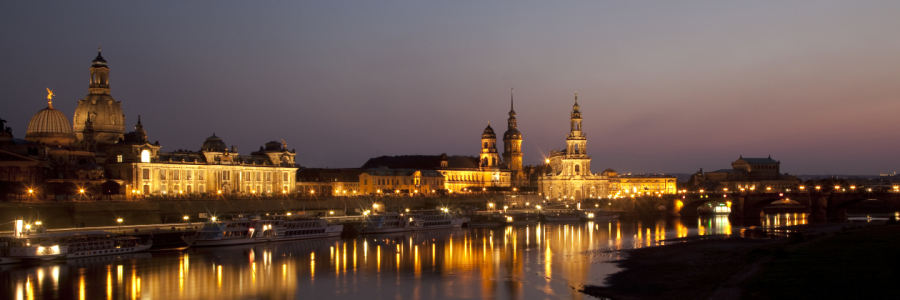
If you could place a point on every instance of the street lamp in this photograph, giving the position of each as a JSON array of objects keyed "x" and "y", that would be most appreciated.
[{"x": 119, "y": 221}]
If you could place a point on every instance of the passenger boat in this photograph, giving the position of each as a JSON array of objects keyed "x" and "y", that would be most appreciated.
[
  {"x": 96, "y": 243},
  {"x": 286, "y": 228},
  {"x": 243, "y": 230},
  {"x": 25, "y": 248},
  {"x": 386, "y": 223},
  {"x": 428, "y": 220}
]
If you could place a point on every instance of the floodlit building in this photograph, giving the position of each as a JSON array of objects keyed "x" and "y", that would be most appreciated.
[
  {"x": 568, "y": 175},
  {"x": 749, "y": 174}
]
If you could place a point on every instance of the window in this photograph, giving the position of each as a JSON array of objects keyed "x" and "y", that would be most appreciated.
[
  {"x": 145, "y": 156},
  {"x": 190, "y": 174},
  {"x": 285, "y": 176},
  {"x": 200, "y": 176},
  {"x": 162, "y": 174},
  {"x": 146, "y": 173},
  {"x": 176, "y": 175},
  {"x": 119, "y": 158}
]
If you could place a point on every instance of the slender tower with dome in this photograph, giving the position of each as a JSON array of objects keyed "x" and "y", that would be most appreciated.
[
  {"x": 489, "y": 157},
  {"x": 512, "y": 146},
  {"x": 105, "y": 113}
]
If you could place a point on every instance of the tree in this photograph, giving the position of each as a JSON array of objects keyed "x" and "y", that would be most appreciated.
[{"x": 110, "y": 188}]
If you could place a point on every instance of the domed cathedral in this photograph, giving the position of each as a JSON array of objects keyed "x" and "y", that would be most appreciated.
[
  {"x": 512, "y": 147},
  {"x": 99, "y": 106},
  {"x": 569, "y": 174},
  {"x": 213, "y": 170}
]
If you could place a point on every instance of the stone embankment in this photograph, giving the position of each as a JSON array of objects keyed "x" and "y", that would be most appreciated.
[{"x": 55, "y": 215}]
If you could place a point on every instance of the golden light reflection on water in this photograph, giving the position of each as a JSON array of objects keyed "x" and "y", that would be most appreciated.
[{"x": 537, "y": 261}]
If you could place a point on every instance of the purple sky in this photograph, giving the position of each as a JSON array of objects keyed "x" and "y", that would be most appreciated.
[{"x": 663, "y": 87}]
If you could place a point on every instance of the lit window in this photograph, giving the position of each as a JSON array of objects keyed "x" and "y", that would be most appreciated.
[
  {"x": 119, "y": 158},
  {"x": 145, "y": 156}
]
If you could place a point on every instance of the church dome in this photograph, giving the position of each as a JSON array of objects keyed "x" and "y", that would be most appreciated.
[
  {"x": 50, "y": 126},
  {"x": 214, "y": 144},
  {"x": 489, "y": 133},
  {"x": 104, "y": 111},
  {"x": 512, "y": 134},
  {"x": 99, "y": 62}
]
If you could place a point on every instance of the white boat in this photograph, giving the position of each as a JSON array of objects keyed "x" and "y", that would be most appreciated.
[
  {"x": 428, "y": 220},
  {"x": 24, "y": 248},
  {"x": 242, "y": 230},
  {"x": 386, "y": 223},
  {"x": 287, "y": 229}
]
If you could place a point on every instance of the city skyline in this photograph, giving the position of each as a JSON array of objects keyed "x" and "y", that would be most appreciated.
[{"x": 821, "y": 104}]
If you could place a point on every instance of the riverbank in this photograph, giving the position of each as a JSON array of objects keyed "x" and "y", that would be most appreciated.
[{"x": 835, "y": 261}]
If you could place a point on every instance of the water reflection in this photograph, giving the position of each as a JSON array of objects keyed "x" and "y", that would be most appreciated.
[{"x": 515, "y": 262}]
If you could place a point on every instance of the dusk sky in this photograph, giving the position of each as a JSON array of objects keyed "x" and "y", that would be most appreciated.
[{"x": 665, "y": 86}]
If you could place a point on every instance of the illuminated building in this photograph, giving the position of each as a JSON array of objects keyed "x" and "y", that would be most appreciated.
[
  {"x": 653, "y": 184},
  {"x": 461, "y": 173},
  {"x": 212, "y": 170},
  {"x": 405, "y": 181},
  {"x": 568, "y": 173},
  {"x": 750, "y": 174}
]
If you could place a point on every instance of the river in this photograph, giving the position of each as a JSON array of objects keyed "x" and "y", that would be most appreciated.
[{"x": 544, "y": 261}]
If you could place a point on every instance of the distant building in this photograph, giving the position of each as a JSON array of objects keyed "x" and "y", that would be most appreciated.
[
  {"x": 750, "y": 174},
  {"x": 622, "y": 185},
  {"x": 328, "y": 182},
  {"x": 459, "y": 172},
  {"x": 405, "y": 181}
]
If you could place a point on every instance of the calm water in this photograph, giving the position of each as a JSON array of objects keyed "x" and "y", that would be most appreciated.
[{"x": 516, "y": 262}]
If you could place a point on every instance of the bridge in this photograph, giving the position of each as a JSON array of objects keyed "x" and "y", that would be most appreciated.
[{"x": 818, "y": 205}]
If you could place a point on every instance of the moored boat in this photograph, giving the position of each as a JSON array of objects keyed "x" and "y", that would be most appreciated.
[
  {"x": 434, "y": 219},
  {"x": 386, "y": 223}
]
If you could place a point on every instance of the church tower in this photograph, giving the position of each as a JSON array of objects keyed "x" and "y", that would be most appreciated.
[
  {"x": 105, "y": 113},
  {"x": 490, "y": 159},
  {"x": 512, "y": 145},
  {"x": 578, "y": 163}
]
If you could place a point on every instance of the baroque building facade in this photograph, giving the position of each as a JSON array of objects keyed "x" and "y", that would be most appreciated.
[
  {"x": 568, "y": 174},
  {"x": 746, "y": 174},
  {"x": 214, "y": 169}
]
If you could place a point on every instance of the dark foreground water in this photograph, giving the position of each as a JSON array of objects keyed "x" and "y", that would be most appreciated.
[{"x": 518, "y": 262}]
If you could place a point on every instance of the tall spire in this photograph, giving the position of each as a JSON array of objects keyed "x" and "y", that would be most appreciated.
[
  {"x": 512, "y": 112},
  {"x": 576, "y": 108}
]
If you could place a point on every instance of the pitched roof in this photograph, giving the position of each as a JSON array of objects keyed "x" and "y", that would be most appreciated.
[
  {"x": 423, "y": 162},
  {"x": 763, "y": 160},
  {"x": 328, "y": 175}
]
